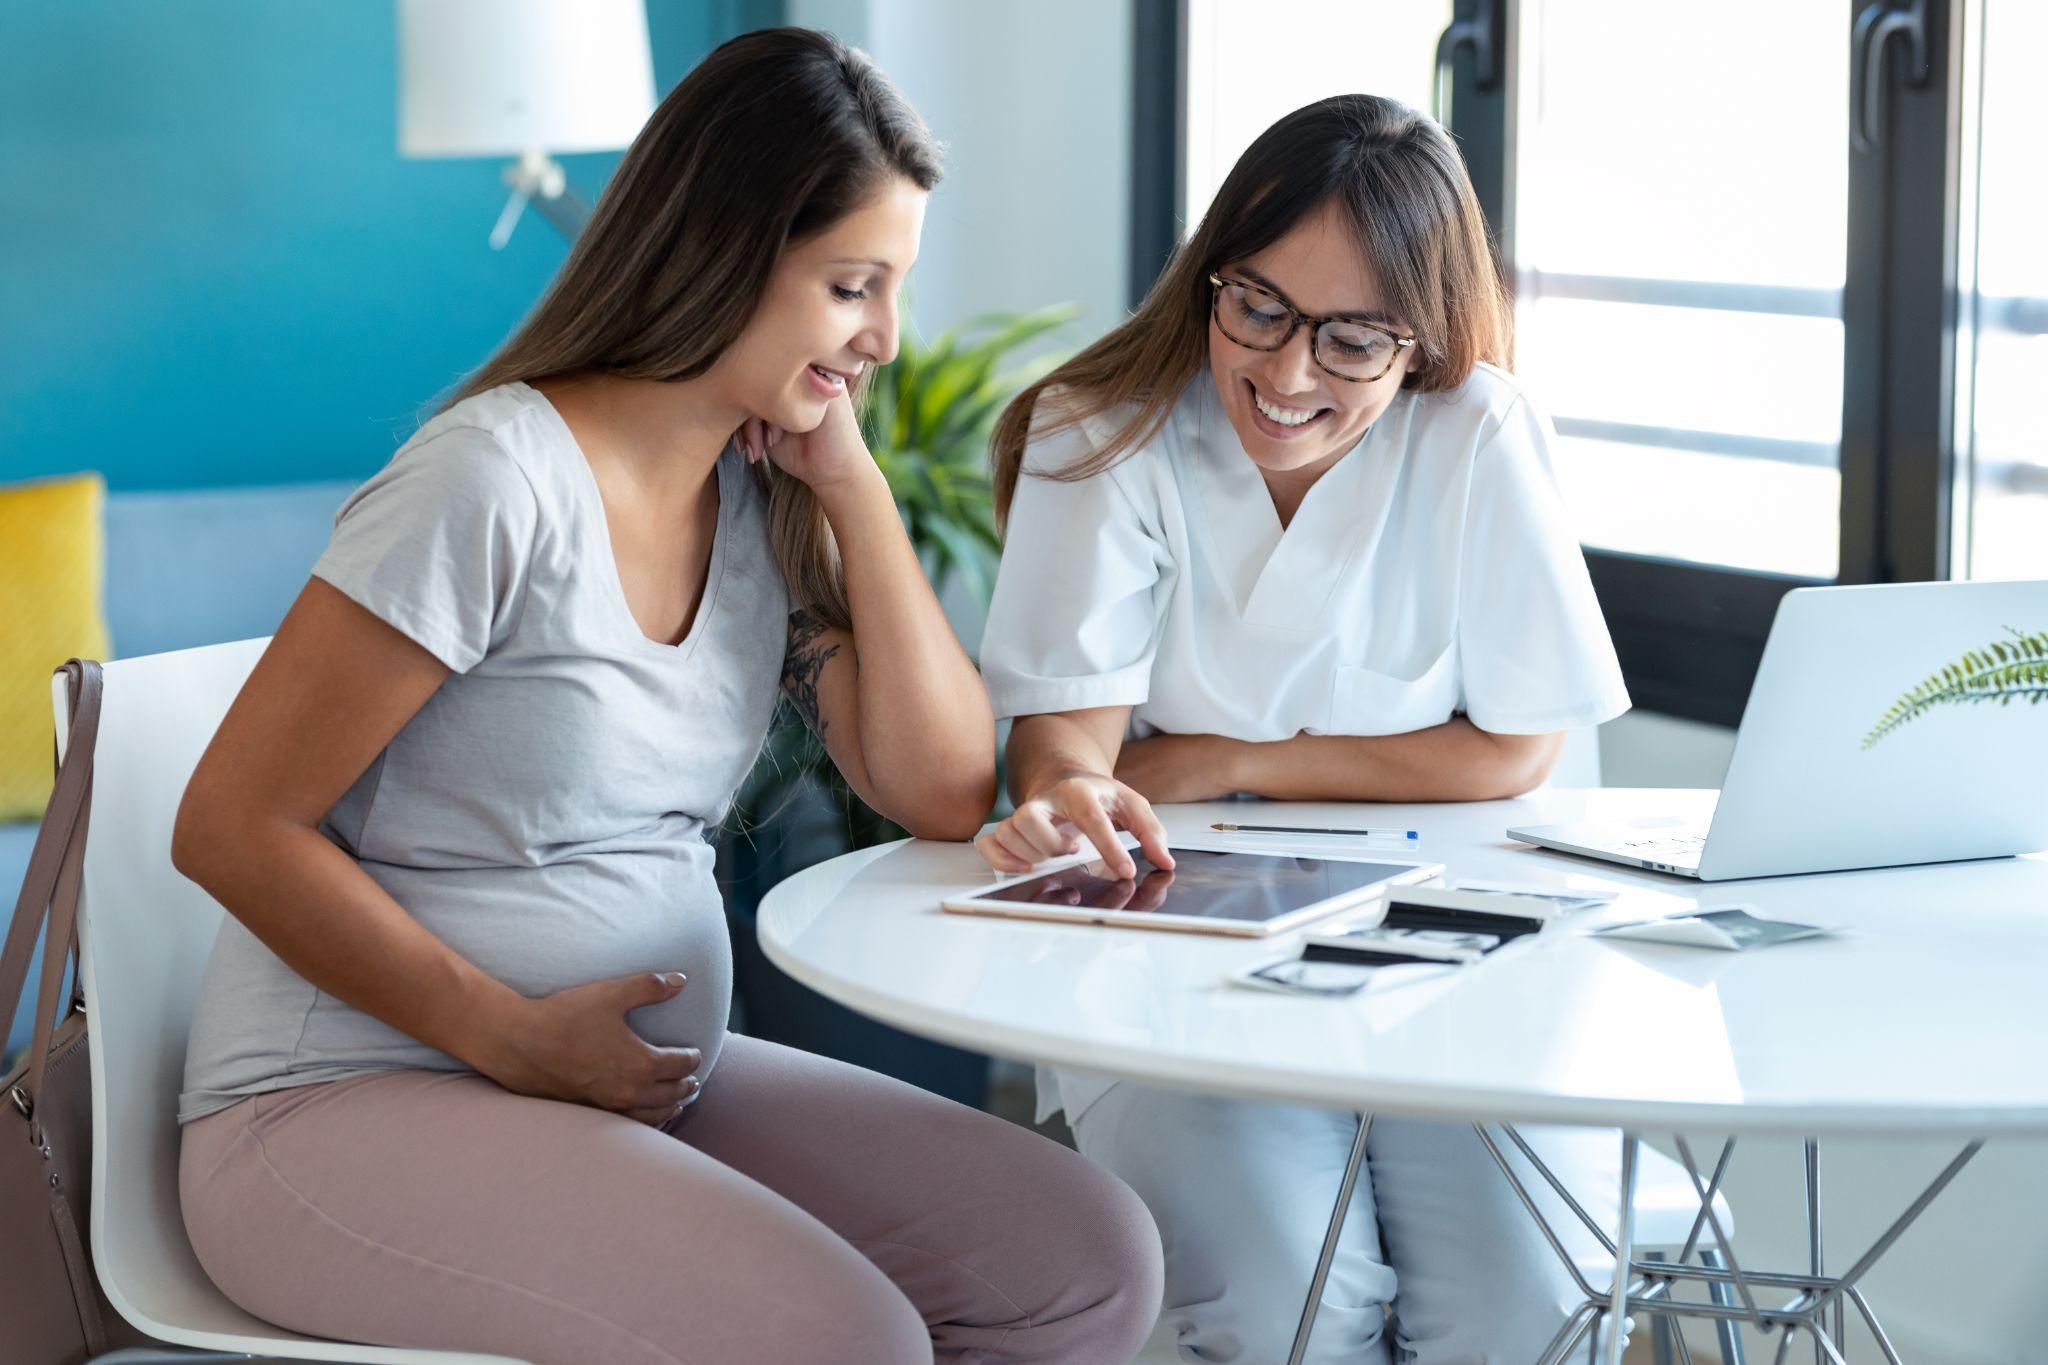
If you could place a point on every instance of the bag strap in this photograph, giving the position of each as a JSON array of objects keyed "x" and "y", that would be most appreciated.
[
  {"x": 49, "y": 895},
  {"x": 60, "y": 818},
  {"x": 59, "y": 950}
]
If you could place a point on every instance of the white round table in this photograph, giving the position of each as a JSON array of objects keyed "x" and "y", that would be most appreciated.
[{"x": 1922, "y": 1016}]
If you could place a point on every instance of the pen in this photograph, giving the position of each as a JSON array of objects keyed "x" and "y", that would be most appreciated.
[{"x": 1307, "y": 829}]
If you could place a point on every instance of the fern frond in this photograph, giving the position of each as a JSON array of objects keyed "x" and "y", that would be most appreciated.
[{"x": 2003, "y": 671}]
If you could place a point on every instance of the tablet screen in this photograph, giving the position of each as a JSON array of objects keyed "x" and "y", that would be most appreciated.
[{"x": 1251, "y": 887}]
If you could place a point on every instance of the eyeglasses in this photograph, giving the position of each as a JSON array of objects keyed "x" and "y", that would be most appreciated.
[{"x": 1346, "y": 349}]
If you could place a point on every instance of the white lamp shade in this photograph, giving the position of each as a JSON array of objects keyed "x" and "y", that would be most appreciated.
[{"x": 506, "y": 77}]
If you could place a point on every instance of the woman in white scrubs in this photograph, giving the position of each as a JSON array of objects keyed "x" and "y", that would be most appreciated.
[{"x": 1291, "y": 531}]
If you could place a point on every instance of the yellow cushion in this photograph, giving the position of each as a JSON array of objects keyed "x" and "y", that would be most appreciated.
[{"x": 52, "y": 568}]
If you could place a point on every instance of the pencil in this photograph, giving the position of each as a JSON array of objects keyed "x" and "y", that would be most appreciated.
[{"x": 1310, "y": 829}]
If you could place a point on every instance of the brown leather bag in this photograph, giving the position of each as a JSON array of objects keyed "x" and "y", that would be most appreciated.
[{"x": 50, "y": 1301}]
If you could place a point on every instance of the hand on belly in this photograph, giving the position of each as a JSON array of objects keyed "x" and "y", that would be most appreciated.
[{"x": 590, "y": 1044}]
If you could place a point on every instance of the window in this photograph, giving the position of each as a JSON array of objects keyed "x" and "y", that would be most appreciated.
[
  {"x": 2002, "y": 355},
  {"x": 1251, "y": 61},
  {"x": 1679, "y": 273}
]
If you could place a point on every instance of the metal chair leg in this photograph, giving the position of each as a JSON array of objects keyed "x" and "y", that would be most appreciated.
[
  {"x": 1661, "y": 1327},
  {"x": 1728, "y": 1329}
]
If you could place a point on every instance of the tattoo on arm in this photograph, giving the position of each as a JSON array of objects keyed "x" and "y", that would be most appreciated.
[{"x": 803, "y": 662}]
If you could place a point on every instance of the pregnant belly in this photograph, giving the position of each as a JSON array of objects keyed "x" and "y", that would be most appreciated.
[{"x": 546, "y": 929}]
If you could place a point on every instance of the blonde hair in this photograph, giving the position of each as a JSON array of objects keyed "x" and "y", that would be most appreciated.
[
  {"x": 773, "y": 138},
  {"x": 1398, "y": 178}
]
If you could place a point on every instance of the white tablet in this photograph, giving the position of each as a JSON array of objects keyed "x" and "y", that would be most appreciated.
[{"x": 1208, "y": 891}]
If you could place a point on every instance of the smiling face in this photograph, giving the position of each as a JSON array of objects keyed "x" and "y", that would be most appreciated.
[
  {"x": 1291, "y": 415},
  {"x": 828, "y": 313}
]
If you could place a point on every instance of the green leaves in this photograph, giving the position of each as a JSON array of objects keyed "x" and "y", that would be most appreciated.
[
  {"x": 927, "y": 419},
  {"x": 2002, "y": 672}
]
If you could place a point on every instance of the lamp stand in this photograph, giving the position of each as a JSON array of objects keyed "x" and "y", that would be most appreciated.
[{"x": 538, "y": 179}]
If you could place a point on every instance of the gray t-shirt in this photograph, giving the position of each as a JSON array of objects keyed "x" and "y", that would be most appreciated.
[{"x": 546, "y": 812}]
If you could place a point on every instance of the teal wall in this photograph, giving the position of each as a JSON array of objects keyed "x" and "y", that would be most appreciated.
[{"x": 215, "y": 269}]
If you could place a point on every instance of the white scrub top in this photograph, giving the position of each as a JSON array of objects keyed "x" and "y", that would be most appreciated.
[{"x": 1431, "y": 571}]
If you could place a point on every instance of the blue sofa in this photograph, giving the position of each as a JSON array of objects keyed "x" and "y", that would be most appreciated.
[{"x": 183, "y": 570}]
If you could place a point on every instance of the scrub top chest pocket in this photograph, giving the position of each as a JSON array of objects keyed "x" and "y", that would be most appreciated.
[{"x": 1369, "y": 701}]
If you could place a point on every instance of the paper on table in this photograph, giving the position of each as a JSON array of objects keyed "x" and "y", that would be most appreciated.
[
  {"x": 1567, "y": 897},
  {"x": 1731, "y": 928},
  {"x": 1297, "y": 976}
]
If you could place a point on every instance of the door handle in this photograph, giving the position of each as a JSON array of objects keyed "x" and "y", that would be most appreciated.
[
  {"x": 1876, "y": 26},
  {"x": 1475, "y": 31}
]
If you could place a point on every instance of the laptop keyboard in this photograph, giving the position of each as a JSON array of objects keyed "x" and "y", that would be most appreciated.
[{"x": 1666, "y": 843}]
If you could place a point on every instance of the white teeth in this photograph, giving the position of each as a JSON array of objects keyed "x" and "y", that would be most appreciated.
[{"x": 1286, "y": 417}]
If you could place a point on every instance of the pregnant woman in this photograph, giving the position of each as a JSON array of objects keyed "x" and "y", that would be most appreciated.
[{"x": 459, "y": 1074}]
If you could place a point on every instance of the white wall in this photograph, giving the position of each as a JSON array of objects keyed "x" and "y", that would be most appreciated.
[{"x": 1033, "y": 103}]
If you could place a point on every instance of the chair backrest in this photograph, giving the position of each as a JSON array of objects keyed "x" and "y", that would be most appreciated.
[{"x": 144, "y": 934}]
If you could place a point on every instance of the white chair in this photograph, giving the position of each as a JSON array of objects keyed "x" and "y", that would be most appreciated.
[{"x": 144, "y": 935}]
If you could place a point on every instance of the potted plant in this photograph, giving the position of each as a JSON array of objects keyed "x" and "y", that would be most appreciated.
[{"x": 927, "y": 416}]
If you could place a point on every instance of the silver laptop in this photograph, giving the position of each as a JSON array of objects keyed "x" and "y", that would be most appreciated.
[{"x": 1892, "y": 724}]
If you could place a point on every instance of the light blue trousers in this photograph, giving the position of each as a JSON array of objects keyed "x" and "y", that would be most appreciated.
[{"x": 1242, "y": 1193}]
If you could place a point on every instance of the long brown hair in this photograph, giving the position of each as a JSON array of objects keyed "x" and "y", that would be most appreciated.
[
  {"x": 773, "y": 138},
  {"x": 1400, "y": 181}
]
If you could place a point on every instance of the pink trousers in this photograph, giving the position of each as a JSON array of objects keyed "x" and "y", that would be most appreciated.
[{"x": 801, "y": 1210}]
